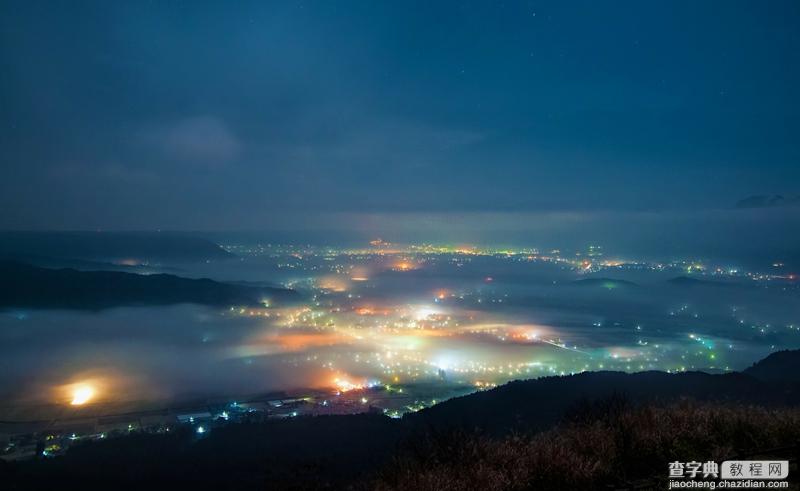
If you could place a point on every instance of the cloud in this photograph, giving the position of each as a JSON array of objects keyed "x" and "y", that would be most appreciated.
[
  {"x": 406, "y": 142},
  {"x": 104, "y": 173},
  {"x": 203, "y": 140}
]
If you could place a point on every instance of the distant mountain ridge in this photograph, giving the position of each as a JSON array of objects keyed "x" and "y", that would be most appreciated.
[
  {"x": 689, "y": 281},
  {"x": 604, "y": 282},
  {"x": 768, "y": 201},
  {"x": 781, "y": 366},
  {"x": 110, "y": 246},
  {"x": 26, "y": 286}
]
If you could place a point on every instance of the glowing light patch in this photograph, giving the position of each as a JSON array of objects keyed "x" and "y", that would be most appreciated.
[
  {"x": 423, "y": 312},
  {"x": 345, "y": 385},
  {"x": 404, "y": 266},
  {"x": 81, "y": 395},
  {"x": 333, "y": 283}
]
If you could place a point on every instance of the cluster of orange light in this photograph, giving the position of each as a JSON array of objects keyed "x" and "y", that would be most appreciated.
[
  {"x": 343, "y": 385},
  {"x": 333, "y": 283},
  {"x": 403, "y": 266},
  {"x": 78, "y": 393},
  {"x": 82, "y": 394},
  {"x": 302, "y": 341},
  {"x": 529, "y": 333},
  {"x": 372, "y": 311},
  {"x": 359, "y": 273}
]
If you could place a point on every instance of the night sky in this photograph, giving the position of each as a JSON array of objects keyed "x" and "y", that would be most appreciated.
[{"x": 232, "y": 115}]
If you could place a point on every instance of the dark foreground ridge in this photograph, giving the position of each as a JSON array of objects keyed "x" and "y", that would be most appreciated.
[
  {"x": 586, "y": 431},
  {"x": 26, "y": 286}
]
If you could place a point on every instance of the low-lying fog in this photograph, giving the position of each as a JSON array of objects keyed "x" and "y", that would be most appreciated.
[{"x": 443, "y": 318}]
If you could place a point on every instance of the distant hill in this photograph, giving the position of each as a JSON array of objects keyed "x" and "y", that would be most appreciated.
[
  {"x": 26, "y": 286},
  {"x": 782, "y": 366},
  {"x": 688, "y": 281},
  {"x": 764, "y": 201},
  {"x": 133, "y": 247},
  {"x": 608, "y": 283}
]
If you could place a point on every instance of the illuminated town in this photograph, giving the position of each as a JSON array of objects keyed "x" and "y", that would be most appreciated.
[{"x": 395, "y": 328}]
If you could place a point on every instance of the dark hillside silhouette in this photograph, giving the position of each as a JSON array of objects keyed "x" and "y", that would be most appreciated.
[{"x": 26, "y": 286}]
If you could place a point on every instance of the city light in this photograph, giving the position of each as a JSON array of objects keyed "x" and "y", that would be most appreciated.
[{"x": 343, "y": 385}]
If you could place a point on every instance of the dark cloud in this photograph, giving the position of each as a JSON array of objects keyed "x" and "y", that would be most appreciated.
[
  {"x": 228, "y": 116},
  {"x": 203, "y": 140}
]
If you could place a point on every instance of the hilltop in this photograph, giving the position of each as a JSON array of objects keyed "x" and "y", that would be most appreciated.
[
  {"x": 136, "y": 247},
  {"x": 26, "y": 286}
]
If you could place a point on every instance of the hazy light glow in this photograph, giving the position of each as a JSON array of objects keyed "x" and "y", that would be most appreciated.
[
  {"x": 82, "y": 394},
  {"x": 345, "y": 385},
  {"x": 424, "y": 311}
]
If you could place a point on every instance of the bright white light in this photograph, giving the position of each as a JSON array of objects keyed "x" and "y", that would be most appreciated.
[
  {"x": 423, "y": 312},
  {"x": 201, "y": 430},
  {"x": 81, "y": 395}
]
